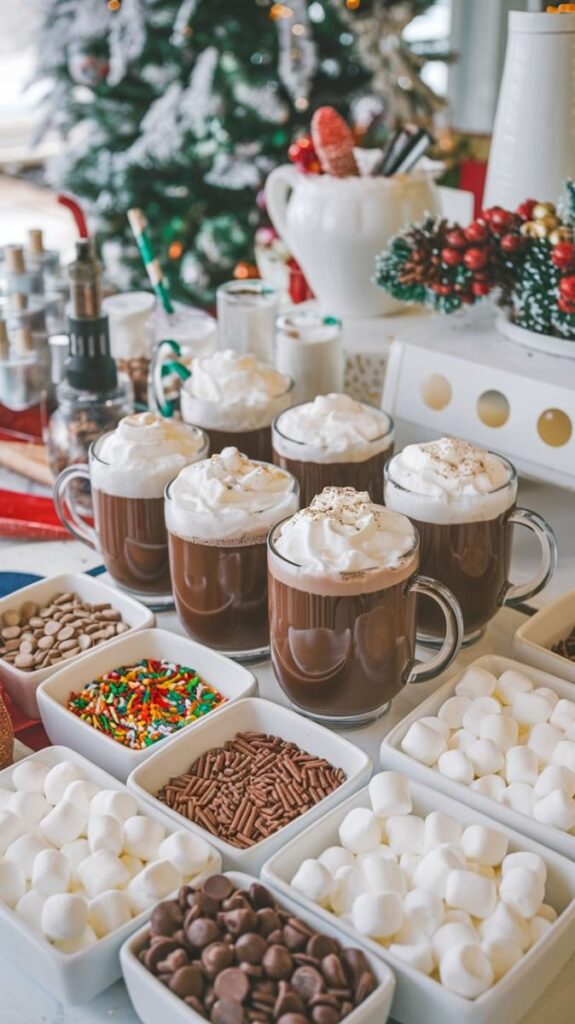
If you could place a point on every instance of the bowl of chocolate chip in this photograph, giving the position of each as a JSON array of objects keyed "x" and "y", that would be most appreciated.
[
  {"x": 232, "y": 954},
  {"x": 52, "y": 622}
]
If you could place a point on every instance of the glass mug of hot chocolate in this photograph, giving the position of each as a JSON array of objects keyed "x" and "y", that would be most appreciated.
[
  {"x": 218, "y": 513},
  {"x": 334, "y": 441},
  {"x": 128, "y": 470},
  {"x": 235, "y": 398},
  {"x": 462, "y": 501},
  {"x": 343, "y": 582}
]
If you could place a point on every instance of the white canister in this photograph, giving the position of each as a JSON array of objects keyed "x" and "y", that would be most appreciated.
[
  {"x": 309, "y": 350},
  {"x": 335, "y": 228},
  {"x": 533, "y": 145},
  {"x": 247, "y": 312},
  {"x": 130, "y": 336}
]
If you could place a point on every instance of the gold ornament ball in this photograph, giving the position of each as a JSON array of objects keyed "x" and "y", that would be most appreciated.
[
  {"x": 561, "y": 234},
  {"x": 542, "y": 209},
  {"x": 549, "y": 222},
  {"x": 529, "y": 229}
]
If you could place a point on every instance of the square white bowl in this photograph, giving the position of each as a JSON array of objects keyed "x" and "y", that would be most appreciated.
[
  {"x": 533, "y": 640},
  {"x": 154, "y": 1003},
  {"x": 22, "y": 686},
  {"x": 75, "y": 977},
  {"x": 392, "y": 756},
  {"x": 420, "y": 999},
  {"x": 64, "y": 727},
  {"x": 261, "y": 716}
]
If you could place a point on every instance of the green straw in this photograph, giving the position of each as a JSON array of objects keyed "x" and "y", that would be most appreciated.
[{"x": 139, "y": 225}]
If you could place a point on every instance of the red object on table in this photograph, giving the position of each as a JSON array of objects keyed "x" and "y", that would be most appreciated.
[
  {"x": 472, "y": 174},
  {"x": 299, "y": 289},
  {"x": 29, "y": 731},
  {"x": 24, "y": 425},
  {"x": 29, "y": 517}
]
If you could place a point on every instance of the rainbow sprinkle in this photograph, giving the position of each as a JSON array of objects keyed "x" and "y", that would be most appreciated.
[{"x": 137, "y": 705}]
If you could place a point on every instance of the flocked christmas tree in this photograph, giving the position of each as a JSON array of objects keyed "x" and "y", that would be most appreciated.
[{"x": 182, "y": 107}]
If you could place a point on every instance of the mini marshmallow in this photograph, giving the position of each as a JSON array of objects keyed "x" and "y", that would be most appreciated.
[
  {"x": 29, "y": 908},
  {"x": 30, "y": 806},
  {"x": 455, "y": 765},
  {"x": 525, "y": 859},
  {"x": 556, "y": 809},
  {"x": 519, "y": 797},
  {"x": 539, "y": 927},
  {"x": 59, "y": 778},
  {"x": 502, "y": 956},
  {"x": 563, "y": 714},
  {"x": 6, "y": 796},
  {"x": 418, "y": 955},
  {"x": 51, "y": 872},
  {"x": 333, "y": 858},
  {"x": 360, "y": 830},
  {"x": 30, "y": 775},
  {"x": 433, "y": 870},
  {"x": 405, "y": 833},
  {"x": 348, "y": 883},
  {"x": 423, "y": 911},
  {"x": 477, "y": 711},
  {"x": 484, "y": 846},
  {"x": 550, "y": 696},
  {"x": 80, "y": 793},
  {"x": 440, "y": 828},
  {"x": 466, "y": 970},
  {"x": 80, "y": 942},
  {"x": 521, "y": 765},
  {"x": 108, "y": 911},
  {"x": 378, "y": 915},
  {"x": 115, "y": 803},
  {"x": 543, "y": 739},
  {"x": 549, "y": 913},
  {"x": 452, "y": 934},
  {"x": 154, "y": 883},
  {"x": 505, "y": 925},
  {"x": 64, "y": 916},
  {"x": 142, "y": 836},
  {"x": 465, "y": 890},
  {"x": 132, "y": 864},
  {"x": 76, "y": 852},
  {"x": 489, "y": 785},
  {"x": 11, "y": 828},
  {"x": 452, "y": 916},
  {"x": 104, "y": 833},
  {"x": 462, "y": 739},
  {"x": 482, "y": 869},
  {"x": 564, "y": 754},
  {"x": 555, "y": 776},
  {"x": 24, "y": 850},
  {"x": 502, "y": 730},
  {"x": 408, "y": 863},
  {"x": 314, "y": 881},
  {"x": 64, "y": 823},
  {"x": 12, "y": 882},
  {"x": 523, "y": 890},
  {"x": 452, "y": 711},
  {"x": 485, "y": 757},
  {"x": 530, "y": 708},
  {"x": 476, "y": 682},
  {"x": 389, "y": 794},
  {"x": 382, "y": 874},
  {"x": 102, "y": 870},
  {"x": 189, "y": 853},
  {"x": 423, "y": 744},
  {"x": 437, "y": 723},
  {"x": 510, "y": 683}
]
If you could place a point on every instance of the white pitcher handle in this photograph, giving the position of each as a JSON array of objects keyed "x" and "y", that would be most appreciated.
[{"x": 280, "y": 183}]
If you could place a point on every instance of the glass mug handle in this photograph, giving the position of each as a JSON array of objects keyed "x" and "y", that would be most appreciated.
[
  {"x": 422, "y": 671},
  {"x": 65, "y": 506},
  {"x": 518, "y": 592}
]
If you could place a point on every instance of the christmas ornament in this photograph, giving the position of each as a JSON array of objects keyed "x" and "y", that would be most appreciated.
[
  {"x": 333, "y": 142},
  {"x": 302, "y": 153},
  {"x": 563, "y": 255}
]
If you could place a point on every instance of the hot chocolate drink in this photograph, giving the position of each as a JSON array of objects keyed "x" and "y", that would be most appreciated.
[
  {"x": 235, "y": 398},
  {"x": 128, "y": 470},
  {"x": 218, "y": 514},
  {"x": 462, "y": 501},
  {"x": 342, "y": 586},
  {"x": 334, "y": 441}
]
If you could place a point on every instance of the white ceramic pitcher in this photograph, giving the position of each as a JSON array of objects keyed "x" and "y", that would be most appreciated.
[{"x": 335, "y": 227}]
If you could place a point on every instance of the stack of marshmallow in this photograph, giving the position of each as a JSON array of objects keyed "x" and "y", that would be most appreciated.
[
  {"x": 507, "y": 739},
  {"x": 77, "y": 861},
  {"x": 447, "y": 900}
]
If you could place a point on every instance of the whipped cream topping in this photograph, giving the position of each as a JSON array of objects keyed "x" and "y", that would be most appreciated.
[
  {"x": 449, "y": 480},
  {"x": 231, "y": 391},
  {"x": 343, "y": 536},
  {"x": 142, "y": 455},
  {"x": 229, "y": 497},
  {"x": 332, "y": 428}
]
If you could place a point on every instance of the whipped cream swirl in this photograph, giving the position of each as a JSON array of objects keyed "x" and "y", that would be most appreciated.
[
  {"x": 230, "y": 391},
  {"x": 332, "y": 428},
  {"x": 229, "y": 497},
  {"x": 142, "y": 455}
]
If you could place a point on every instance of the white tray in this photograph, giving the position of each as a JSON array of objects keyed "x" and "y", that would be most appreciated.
[{"x": 418, "y": 998}]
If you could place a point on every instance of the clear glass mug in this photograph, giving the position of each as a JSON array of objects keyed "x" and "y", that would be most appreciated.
[
  {"x": 342, "y": 650},
  {"x": 472, "y": 556}
]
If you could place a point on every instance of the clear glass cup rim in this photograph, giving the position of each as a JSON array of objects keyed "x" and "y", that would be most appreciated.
[
  {"x": 288, "y": 561},
  {"x": 249, "y": 284},
  {"x": 511, "y": 479},
  {"x": 304, "y": 444},
  {"x": 94, "y": 454}
]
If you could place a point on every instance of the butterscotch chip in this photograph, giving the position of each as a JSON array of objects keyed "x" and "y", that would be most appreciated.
[
  {"x": 84, "y": 641},
  {"x": 11, "y": 632},
  {"x": 52, "y": 627},
  {"x": 46, "y": 642},
  {"x": 11, "y": 618},
  {"x": 24, "y": 660},
  {"x": 66, "y": 633},
  {"x": 28, "y": 609},
  {"x": 27, "y": 646}
]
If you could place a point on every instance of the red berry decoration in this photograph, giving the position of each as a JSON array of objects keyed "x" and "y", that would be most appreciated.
[
  {"x": 567, "y": 289},
  {"x": 566, "y": 307},
  {"x": 333, "y": 141},
  {"x": 477, "y": 231},
  {"x": 451, "y": 257},
  {"x": 303, "y": 155},
  {"x": 476, "y": 259},
  {"x": 442, "y": 289},
  {"x": 480, "y": 288},
  {"x": 499, "y": 220},
  {"x": 525, "y": 210},
  {"x": 456, "y": 239},
  {"x": 563, "y": 255},
  {"x": 512, "y": 244}
]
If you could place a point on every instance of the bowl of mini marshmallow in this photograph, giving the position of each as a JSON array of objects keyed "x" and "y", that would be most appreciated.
[
  {"x": 82, "y": 864},
  {"x": 474, "y": 919}
]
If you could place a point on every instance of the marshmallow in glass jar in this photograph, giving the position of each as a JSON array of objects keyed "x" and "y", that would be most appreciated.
[
  {"x": 334, "y": 441},
  {"x": 235, "y": 398}
]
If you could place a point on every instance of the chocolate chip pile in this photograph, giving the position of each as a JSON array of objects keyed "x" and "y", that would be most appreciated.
[
  {"x": 566, "y": 647},
  {"x": 235, "y": 957},
  {"x": 35, "y": 636},
  {"x": 253, "y": 786}
]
